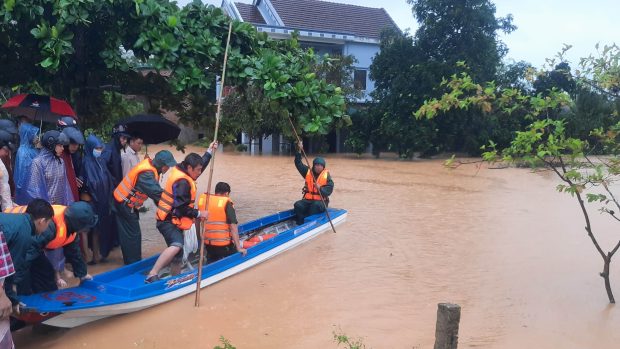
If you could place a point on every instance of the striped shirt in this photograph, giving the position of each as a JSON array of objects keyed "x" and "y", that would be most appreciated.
[{"x": 6, "y": 263}]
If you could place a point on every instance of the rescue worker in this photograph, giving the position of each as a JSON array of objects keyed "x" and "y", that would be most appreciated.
[
  {"x": 221, "y": 234},
  {"x": 140, "y": 183},
  {"x": 311, "y": 202},
  {"x": 176, "y": 212},
  {"x": 19, "y": 231},
  {"x": 62, "y": 234}
]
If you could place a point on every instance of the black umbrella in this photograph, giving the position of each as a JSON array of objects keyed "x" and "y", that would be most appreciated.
[{"x": 153, "y": 129}]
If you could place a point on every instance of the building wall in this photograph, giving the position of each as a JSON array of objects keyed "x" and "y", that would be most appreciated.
[{"x": 364, "y": 53}]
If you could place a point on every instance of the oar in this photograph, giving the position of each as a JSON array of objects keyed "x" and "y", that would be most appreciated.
[
  {"x": 217, "y": 126},
  {"x": 316, "y": 185}
]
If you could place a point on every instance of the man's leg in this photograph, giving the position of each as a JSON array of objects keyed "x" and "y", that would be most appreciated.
[
  {"x": 129, "y": 234},
  {"x": 43, "y": 275},
  {"x": 174, "y": 240},
  {"x": 315, "y": 207},
  {"x": 300, "y": 208}
]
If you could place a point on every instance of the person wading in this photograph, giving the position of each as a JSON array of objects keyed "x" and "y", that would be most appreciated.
[
  {"x": 311, "y": 202},
  {"x": 140, "y": 183},
  {"x": 176, "y": 212}
]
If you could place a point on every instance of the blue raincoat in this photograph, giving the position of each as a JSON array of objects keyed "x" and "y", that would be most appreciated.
[
  {"x": 25, "y": 154},
  {"x": 48, "y": 180},
  {"x": 98, "y": 183}
]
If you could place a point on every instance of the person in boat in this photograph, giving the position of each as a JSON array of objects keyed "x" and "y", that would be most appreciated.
[
  {"x": 175, "y": 210},
  {"x": 61, "y": 235},
  {"x": 22, "y": 231},
  {"x": 27, "y": 151},
  {"x": 140, "y": 183},
  {"x": 6, "y": 308},
  {"x": 311, "y": 202},
  {"x": 221, "y": 234},
  {"x": 98, "y": 183}
]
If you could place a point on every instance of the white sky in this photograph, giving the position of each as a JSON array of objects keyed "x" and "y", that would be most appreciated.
[{"x": 544, "y": 26}]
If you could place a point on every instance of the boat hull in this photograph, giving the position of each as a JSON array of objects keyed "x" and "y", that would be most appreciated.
[{"x": 88, "y": 303}]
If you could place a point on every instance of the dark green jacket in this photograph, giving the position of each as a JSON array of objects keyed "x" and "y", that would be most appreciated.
[
  {"x": 148, "y": 185},
  {"x": 327, "y": 189},
  {"x": 20, "y": 236}
]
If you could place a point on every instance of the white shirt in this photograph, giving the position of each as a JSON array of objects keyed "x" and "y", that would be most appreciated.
[
  {"x": 5, "y": 189},
  {"x": 129, "y": 159}
]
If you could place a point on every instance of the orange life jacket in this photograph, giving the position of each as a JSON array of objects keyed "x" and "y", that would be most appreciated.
[
  {"x": 310, "y": 192},
  {"x": 216, "y": 231},
  {"x": 164, "y": 207},
  {"x": 126, "y": 189},
  {"x": 62, "y": 238}
]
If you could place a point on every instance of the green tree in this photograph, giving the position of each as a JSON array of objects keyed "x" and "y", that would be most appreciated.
[
  {"x": 78, "y": 49},
  {"x": 409, "y": 68},
  {"x": 546, "y": 142}
]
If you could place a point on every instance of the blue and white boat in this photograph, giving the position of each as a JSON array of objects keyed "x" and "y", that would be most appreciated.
[{"x": 122, "y": 290}]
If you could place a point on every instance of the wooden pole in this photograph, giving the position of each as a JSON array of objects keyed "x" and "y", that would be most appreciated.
[
  {"x": 447, "y": 329},
  {"x": 217, "y": 126},
  {"x": 316, "y": 185}
]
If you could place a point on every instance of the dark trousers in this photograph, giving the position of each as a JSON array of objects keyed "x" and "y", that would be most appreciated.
[
  {"x": 304, "y": 208},
  {"x": 215, "y": 253},
  {"x": 41, "y": 278},
  {"x": 129, "y": 233}
]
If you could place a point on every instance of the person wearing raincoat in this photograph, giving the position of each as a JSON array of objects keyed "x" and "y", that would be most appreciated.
[
  {"x": 26, "y": 152},
  {"x": 98, "y": 183},
  {"x": 71, "y": 155},
  {"x": 48, "y": 181}
]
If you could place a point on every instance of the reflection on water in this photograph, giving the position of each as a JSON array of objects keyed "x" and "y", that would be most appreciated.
[{"x": 501, "y": 243}]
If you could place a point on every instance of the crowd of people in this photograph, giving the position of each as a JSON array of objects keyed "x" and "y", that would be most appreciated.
[{"x": 67, "y": 199}]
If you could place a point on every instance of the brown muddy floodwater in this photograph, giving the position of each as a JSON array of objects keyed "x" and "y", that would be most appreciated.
[{"x": 501, "y": 243}]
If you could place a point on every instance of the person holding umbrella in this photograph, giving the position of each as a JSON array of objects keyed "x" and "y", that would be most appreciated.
[
  {"x": 113, "y": 150},
  {"x": 140, "y": 183},
  {"x": 129, "y": 156}
]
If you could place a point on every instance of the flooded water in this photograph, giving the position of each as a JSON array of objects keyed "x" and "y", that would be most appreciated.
[{"x": 502, "y": 243}]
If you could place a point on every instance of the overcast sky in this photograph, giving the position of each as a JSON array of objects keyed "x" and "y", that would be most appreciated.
[{"x": 543, "y": 25}]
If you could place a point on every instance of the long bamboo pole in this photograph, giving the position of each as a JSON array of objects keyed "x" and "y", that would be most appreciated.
[
  {"x": 316, "y": 185},
  {"x": 217, "y": 127}
]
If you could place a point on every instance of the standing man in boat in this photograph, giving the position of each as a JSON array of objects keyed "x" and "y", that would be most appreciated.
[
  {"x": 140, "y": 183},
  {"x": 221, "y": 234},
  {"x": 176, "y": 212},
  {"x": 311, "y": 202}
]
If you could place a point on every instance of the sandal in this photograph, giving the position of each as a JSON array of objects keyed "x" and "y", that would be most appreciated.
[{"x": 151, "y": 279}]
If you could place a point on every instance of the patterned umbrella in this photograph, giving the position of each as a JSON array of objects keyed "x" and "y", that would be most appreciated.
[{"x": 38, "y": 107}]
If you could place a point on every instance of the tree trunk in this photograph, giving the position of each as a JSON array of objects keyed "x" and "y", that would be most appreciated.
[{"x": 605, "y": 275}]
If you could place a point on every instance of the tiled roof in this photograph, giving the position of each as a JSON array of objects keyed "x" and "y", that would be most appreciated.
[
  {"x": 329, "y": 16},
  {"x": 250, "y": 13}
]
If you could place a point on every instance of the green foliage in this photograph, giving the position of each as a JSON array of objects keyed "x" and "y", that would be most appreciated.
[
  {"x": 453, "y": 36},
  {"x": 226, "y": 344},
  {"x": 546, "y": 141},
  {"x": 79, "y": 49},
  {"x": 347, "y": 342}
]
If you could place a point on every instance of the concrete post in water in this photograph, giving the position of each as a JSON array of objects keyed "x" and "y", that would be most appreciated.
[{"x": 447, "y": 329}]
